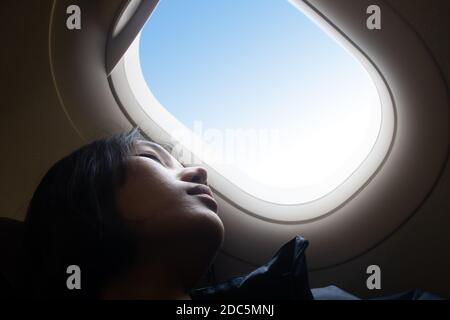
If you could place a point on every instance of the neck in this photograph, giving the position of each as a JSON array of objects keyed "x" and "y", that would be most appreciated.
[{"x": 147, "y": 281}]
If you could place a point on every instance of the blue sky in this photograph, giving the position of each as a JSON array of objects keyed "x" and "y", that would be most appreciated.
[{"x": 201, "y": 57}]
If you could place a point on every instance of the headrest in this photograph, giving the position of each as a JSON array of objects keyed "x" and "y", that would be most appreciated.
[{"x": 12, "y": 259}]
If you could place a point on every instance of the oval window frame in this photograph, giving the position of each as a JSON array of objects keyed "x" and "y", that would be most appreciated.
[
  {"x": 408, "y": 176},
  {"x": 146, "y": 112}
]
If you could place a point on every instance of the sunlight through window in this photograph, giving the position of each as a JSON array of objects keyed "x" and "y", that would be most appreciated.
[{"x": 275, "y": 99}]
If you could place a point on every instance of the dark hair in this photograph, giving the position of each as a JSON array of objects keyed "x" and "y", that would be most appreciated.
[{"x": 72, "y": 220}]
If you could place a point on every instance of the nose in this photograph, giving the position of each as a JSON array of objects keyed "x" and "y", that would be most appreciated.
[{"x": 195, "y": 175}]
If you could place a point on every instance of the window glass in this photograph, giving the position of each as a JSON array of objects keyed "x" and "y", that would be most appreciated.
[{"x": 274, "y": 96}]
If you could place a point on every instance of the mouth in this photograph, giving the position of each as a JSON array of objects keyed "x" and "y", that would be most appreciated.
[{"x": 205, "y": 194}]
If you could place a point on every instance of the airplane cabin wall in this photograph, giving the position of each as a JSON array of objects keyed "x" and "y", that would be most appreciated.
[{"x": 35, "y": 132}]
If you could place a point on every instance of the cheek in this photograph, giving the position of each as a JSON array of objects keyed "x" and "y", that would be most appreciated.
[{"x": 146, "y": 197}]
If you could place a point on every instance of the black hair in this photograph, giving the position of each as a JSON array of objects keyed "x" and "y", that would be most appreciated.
[{"x": 72, "y": 220}]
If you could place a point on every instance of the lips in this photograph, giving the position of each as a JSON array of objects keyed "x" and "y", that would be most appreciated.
[
  {"x": 200, "y": 189},
  {"x": 205, "y": 194}
]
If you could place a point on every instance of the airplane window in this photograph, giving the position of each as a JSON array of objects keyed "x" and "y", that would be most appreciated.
[{"x": 274, "y": 98}]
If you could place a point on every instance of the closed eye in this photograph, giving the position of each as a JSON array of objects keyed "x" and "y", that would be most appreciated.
[{"x": 150, "y": 156}]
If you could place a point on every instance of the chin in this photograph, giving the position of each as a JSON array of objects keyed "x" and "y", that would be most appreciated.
[{"x": 210, "y": 229}]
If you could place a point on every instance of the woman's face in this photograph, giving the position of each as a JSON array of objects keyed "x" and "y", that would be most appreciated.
[{"x": 164, "y": 202}]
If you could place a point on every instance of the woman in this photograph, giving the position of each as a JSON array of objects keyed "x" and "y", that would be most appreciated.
[
  {"x": 136, "y": 222},
  {"x": 139, "y": 225}
]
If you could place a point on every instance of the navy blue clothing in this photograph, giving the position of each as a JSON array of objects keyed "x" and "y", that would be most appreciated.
[{"x": 285, "y": 276}]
